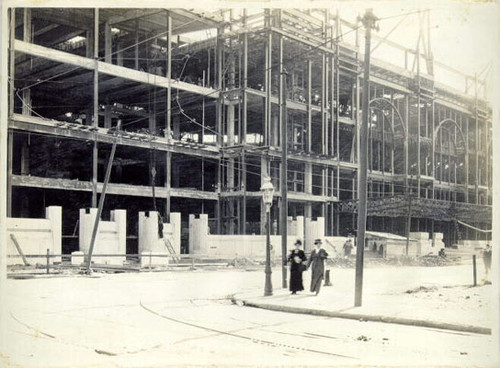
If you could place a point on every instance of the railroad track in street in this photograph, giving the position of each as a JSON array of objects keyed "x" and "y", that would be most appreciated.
[{"x": 234, "y": 334}]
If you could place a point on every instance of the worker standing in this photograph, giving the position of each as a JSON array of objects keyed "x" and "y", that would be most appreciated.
[
  {"x": 487, "y": 262},
  {"x": 347, "y": 248}
]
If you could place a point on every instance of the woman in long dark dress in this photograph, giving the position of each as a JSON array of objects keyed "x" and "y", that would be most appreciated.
[
  {"x": 317, "y": 264},
  {"x": 297, "y": 258}
]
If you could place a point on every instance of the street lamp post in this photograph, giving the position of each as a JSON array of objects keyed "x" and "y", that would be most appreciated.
[{"x": 267, "y": 197}]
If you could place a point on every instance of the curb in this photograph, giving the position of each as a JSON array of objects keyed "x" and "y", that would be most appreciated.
[{"x": 367, "y": 317}]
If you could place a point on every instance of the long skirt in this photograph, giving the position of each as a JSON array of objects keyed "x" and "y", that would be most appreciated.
[
  {"x": 296, "y": 280},
  {"x": 316, "y": 278}
]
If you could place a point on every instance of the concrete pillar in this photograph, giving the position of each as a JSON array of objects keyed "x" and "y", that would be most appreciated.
[
  {"x": 198, "y": 234},
  {"x": 148, "y": 231},
  {"x": 175, "y": 222},
  {"x": 120, "y": 219},
  {"x": 54, "y": 214},
  {"x": 300, "y": 228},
  {"x": 110, "y": 241},
  {"x": 86, "y": 223}
]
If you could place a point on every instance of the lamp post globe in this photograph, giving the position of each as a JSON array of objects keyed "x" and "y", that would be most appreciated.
[{"x": 267, "y": 190}]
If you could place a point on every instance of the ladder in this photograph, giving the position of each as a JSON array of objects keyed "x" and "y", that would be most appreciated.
[{"x": 171, "y": 250}]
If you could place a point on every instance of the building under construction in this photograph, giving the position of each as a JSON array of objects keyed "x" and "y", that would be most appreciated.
[{"x": 207, "y": 101}]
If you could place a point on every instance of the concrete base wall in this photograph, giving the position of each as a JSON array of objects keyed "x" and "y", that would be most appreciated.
[
  {"x": 147, "y": 260},
  {"x": 425, "y": 245},
  {"x": 398, "y": 248},
  {"x": 473, "y": 244},
  {"x": 35, "y": 236},
  {"x": 111, "y": 236},
  {"x": 253, "y": 246},
  {"x": 201, "y": 242},
  {"x": 313, "y": 229}
]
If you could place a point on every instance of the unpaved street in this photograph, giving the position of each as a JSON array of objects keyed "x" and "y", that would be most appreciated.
[{"x": 183, "y": 317}]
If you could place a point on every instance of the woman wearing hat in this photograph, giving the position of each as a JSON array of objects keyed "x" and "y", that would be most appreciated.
[
  {"x": 297, "y": 258},
  {"x": 317, "y": 264}
]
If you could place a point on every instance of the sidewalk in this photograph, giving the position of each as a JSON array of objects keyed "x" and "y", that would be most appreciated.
[{"x": 435, "y": 297}]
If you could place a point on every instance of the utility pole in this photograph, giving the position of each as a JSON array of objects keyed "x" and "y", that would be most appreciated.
[
  {"x": 368, "y": 21},
  {"x": 283, "y": 180}
]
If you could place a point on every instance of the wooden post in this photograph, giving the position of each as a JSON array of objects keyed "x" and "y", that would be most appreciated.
[
  {"x": 408, "y": 223},
  {"x": 101, "y": 201},
  {"x": 48, "y": 261},
  {"x": 19, "y": 250},
  {"x": 474, "y": 269}
]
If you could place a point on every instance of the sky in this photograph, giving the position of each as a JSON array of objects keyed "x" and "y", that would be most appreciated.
[{"x": 464, "y": 34}]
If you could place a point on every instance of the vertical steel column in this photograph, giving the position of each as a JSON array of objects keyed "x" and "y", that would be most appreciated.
[
  {"x": 467, "y": 161},
  {"x": 95, "y": 120},
  {"x": 406, "y": 141},
  {"x": 10, "y": 138},
  {"x": 136, "y": 45},
  {"x": 108, "y": 43},
  {"x": 433, "y": 158},
  {"x": 4, "y": 127},
  {"x": 309, "y": 107},
  {"x": 219, "y": 60},
  {"x": 476, "y": 117},
  {"x": 243, "y": 133},
  {"x": 268, "y": 81},
  {"x": 168, "y": 119}
]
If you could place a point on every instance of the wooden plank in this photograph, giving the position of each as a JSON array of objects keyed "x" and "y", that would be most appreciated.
[
  {"x": 19, "y": 250},
  {"x": 299, "y": 14},
  {"x": 133, "y": 14},
  {"x": 295, "y": 196},
  {"x": 113, "y": 188},
  {"x": 451, "y": 105},
  {"x": 194, "y": 16},
  {"x": 64, "y": 16}
]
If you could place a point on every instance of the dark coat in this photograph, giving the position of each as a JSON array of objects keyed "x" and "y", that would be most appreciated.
[
  {"x": 317, "y": 264},
  {"x": 295, "y": 270}
]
